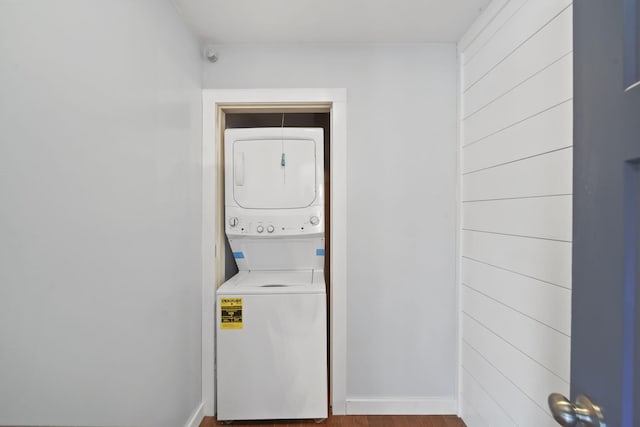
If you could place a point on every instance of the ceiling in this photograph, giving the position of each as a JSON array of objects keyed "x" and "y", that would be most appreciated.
[{"x": 329, "y": 21}]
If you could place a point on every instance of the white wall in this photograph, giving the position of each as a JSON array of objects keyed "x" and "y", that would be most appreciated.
[
  {"x": 401, "y": 104},
  {"x": 516, "y": 137},
  {"x": 100, "y": 113}
]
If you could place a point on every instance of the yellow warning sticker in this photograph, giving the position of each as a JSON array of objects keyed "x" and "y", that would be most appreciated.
[{"x": 230, "y": 313}]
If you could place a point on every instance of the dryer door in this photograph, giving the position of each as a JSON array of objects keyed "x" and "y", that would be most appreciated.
[{"x": 274, "y": 173}]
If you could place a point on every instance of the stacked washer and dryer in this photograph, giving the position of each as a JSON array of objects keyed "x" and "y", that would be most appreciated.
[{"x": 271, "y": 333}]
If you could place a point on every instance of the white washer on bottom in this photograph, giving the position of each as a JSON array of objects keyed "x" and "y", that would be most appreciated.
[{"x": 271, "y": 346}]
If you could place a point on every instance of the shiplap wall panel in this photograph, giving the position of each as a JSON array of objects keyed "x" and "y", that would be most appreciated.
[
  {"x": 478, "y": 397},
  {"x": 545, "y": 47},
  {"x": 516, "y": 173},
  {"x": 539, "y": 342},
  {"x": 542, "y": 217},
  {"x": 549, "y": 87},
  {"x": 531, "y": 177},
  {"x": 532, "y": 378},
  {"x": 546, "y": 260},
  {"x": 548, "y": 131},
  {"x": 523, "y": 410},
  {"x": 495, "y": 16},
  {"x": 538, "y": 300},
  {"x": 528, "y": 20}
]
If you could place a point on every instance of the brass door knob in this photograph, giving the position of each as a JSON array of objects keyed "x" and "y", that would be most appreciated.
[{"x": 583, "y": 413}]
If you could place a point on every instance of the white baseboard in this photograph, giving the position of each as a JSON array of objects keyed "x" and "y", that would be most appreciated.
[
  {"x": 402, "y": 406},
  {"x": 196, "y": 418}
]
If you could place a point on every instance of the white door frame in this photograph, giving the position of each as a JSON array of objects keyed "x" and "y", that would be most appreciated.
[{"x": 337, "y": 100}]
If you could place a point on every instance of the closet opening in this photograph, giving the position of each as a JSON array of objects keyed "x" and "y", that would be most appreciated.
[
  {"x": 230, "y": 117},
  {"x": 218, "y": 106}
]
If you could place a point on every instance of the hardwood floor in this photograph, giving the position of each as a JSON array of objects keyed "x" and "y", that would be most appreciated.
[{"x": 354, "y": 421}]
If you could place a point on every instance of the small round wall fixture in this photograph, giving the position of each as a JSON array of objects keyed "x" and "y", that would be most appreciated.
[{"x": 210, "y": 54}]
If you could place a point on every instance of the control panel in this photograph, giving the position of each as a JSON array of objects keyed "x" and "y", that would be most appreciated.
[{"x": 308, "y": 223}]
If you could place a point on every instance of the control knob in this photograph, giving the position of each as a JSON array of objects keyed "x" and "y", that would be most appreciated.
[
  {"x": 233, "y": 221},
  {"x": 259, "y": 229},
  {"x": 271, "y": 229},
  {"x": 314, "y": 220}
]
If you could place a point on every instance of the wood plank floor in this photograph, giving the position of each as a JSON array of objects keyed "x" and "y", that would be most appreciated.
[{"x": 354, "y": 421}]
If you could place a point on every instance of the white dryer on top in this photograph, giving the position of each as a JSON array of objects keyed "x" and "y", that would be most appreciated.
[{"x": 275, "y": 172}]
